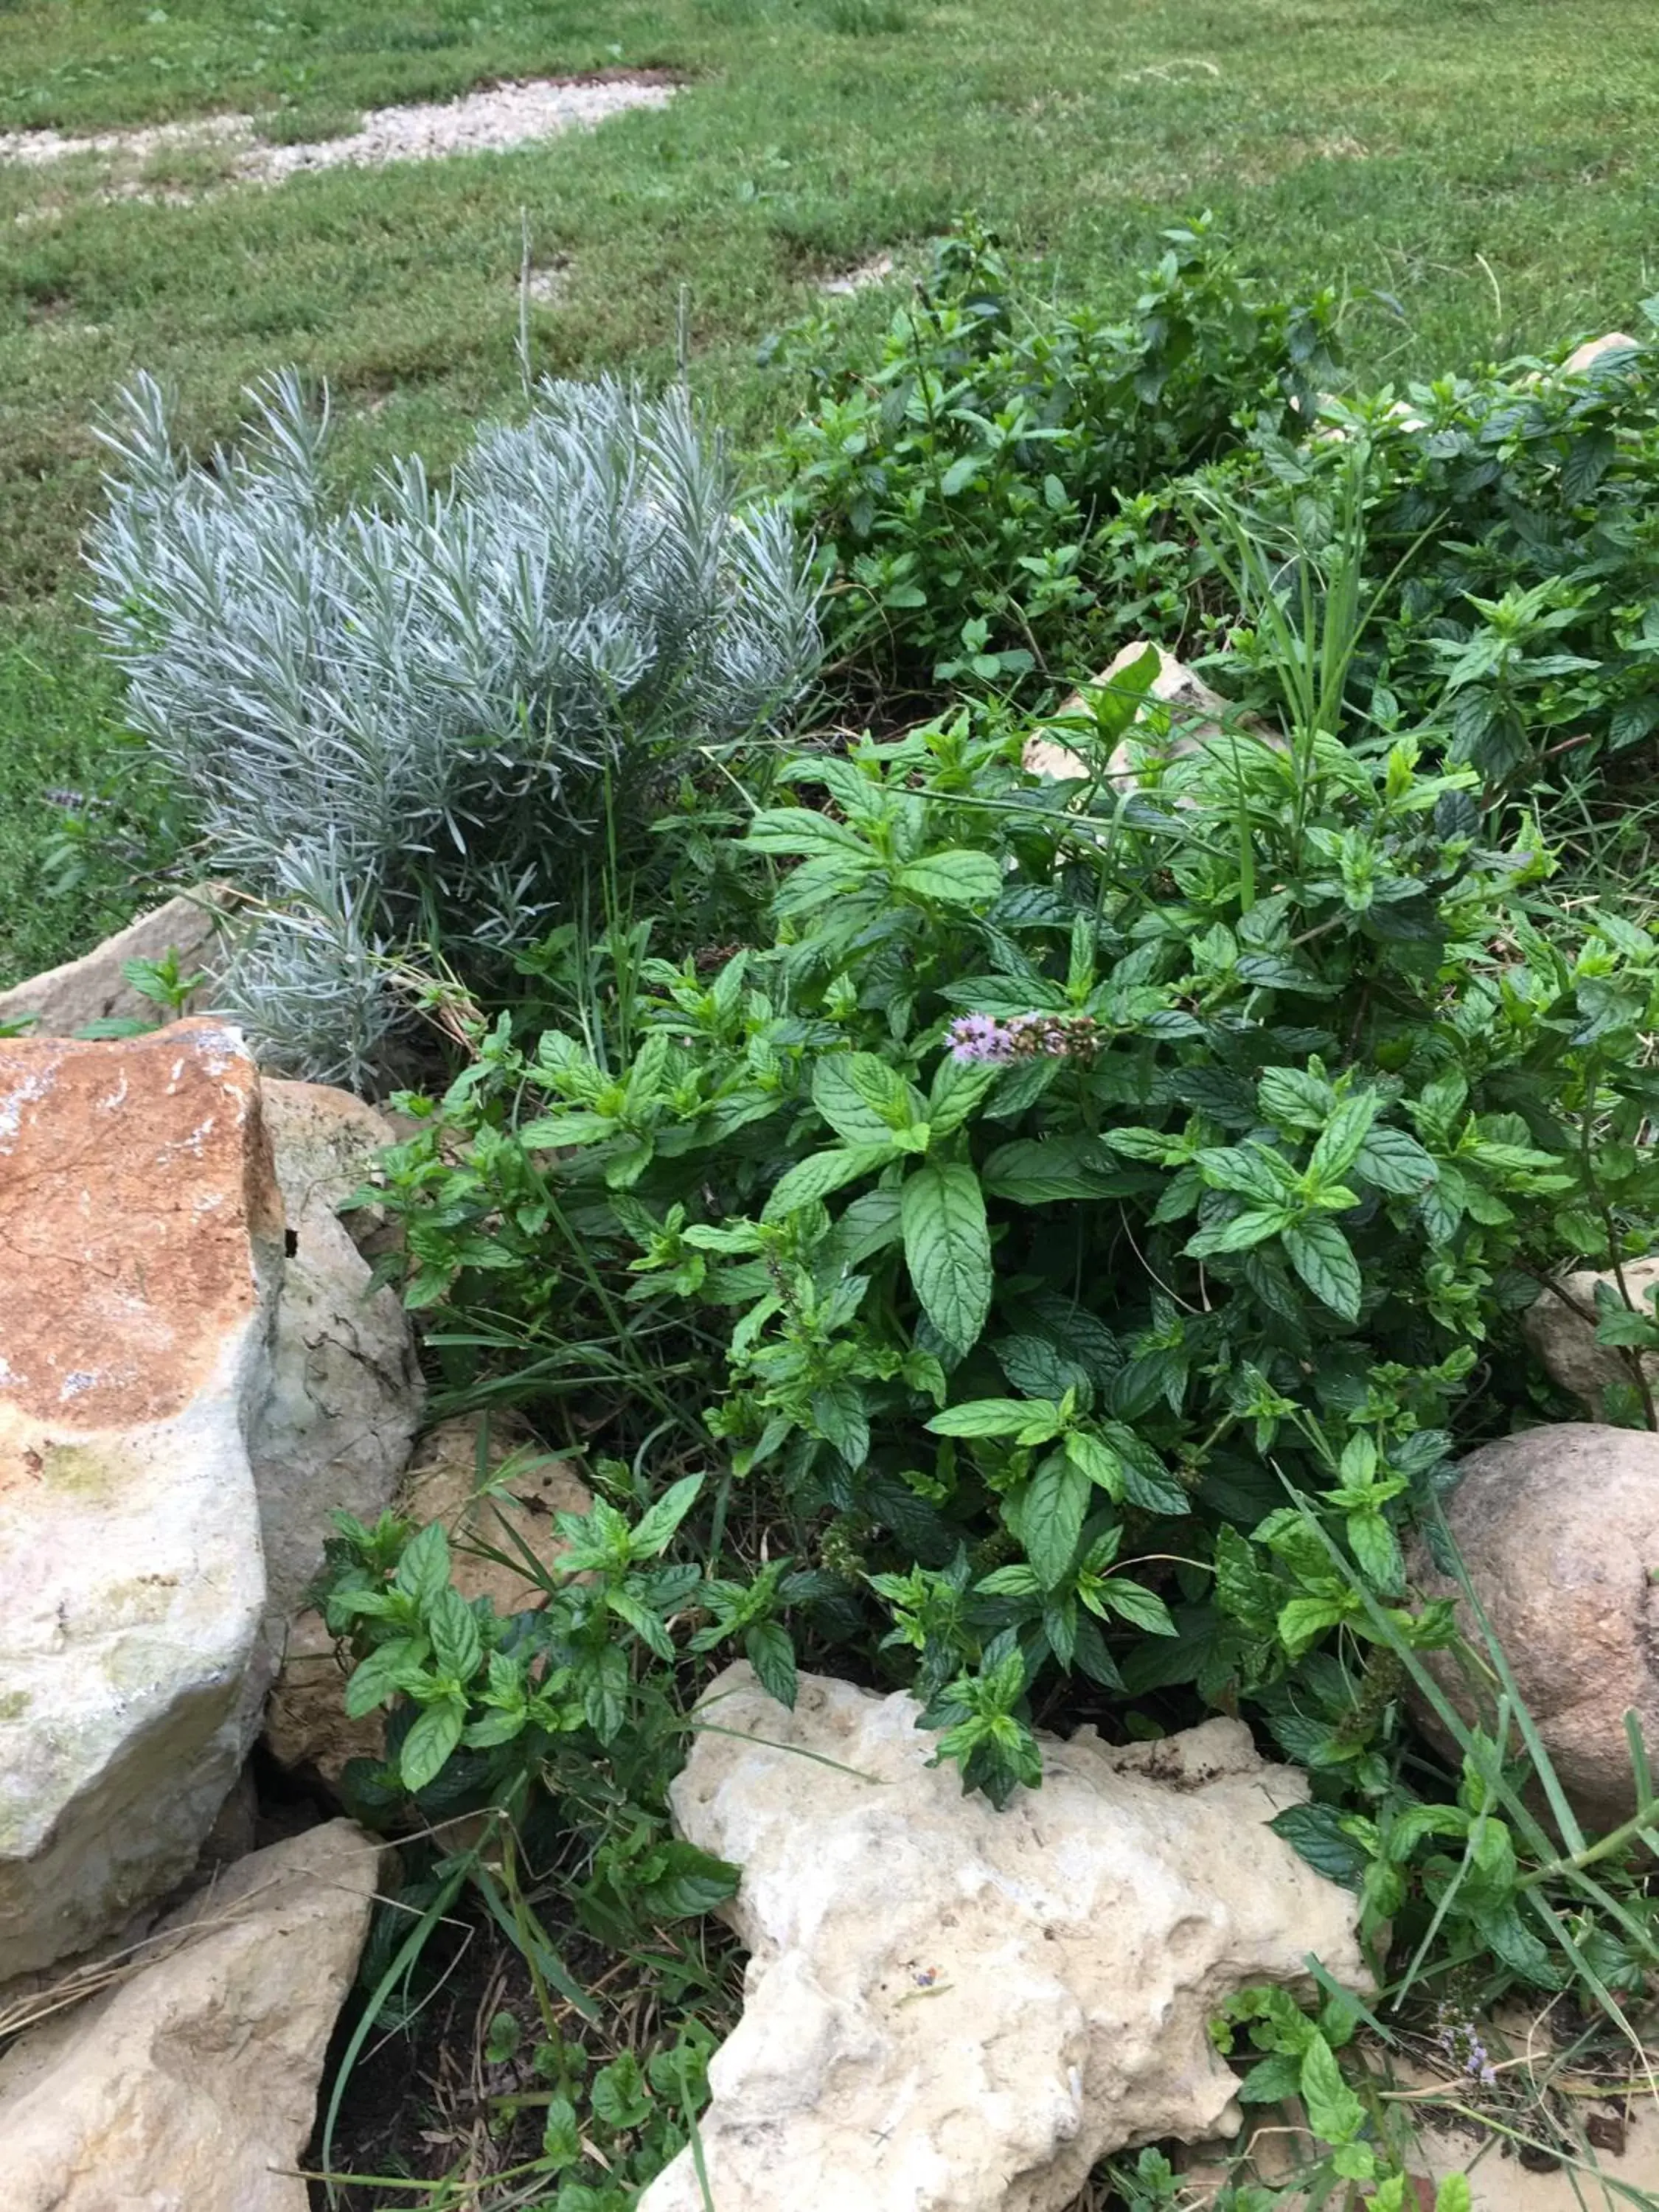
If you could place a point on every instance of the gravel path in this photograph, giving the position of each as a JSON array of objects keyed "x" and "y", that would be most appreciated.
[{"x": 492, "y": 121}]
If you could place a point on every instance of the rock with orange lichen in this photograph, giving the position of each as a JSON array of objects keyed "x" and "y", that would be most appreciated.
[{"x": 142, "y": 1234}]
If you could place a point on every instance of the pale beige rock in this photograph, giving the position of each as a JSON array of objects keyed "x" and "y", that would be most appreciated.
[
  {"x": 1557, "y": 1326},
  {"x": 62, "y": 1001},
  {"x": 1558, "y": 1527},
  {"x": 486, "y": 1487},
  {"x": 192, "y": 2087},
  {"x": 1583, "y": 358},
  {"x": 1197, "y": 715},
  {"x": 143, "y": 1235},
  {"x": 953, "y": 2009},
  {"x": 335, "y": 1432},
  {"x": 306, "y": 1722}
]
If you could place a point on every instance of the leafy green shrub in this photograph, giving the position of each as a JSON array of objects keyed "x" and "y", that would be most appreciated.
[
  {"x": 981, "y": 484},
  {"x": 1014, "y": 486},
  {"x": 1117, "y": 1340},
  {"x": 1087, "y": 1220},
  {"x": 1511, "y": 542},
  {"x": 402, "y": 724}
]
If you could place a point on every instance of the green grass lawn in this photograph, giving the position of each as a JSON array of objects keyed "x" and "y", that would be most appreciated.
[{"x": 1476, "y": 176}]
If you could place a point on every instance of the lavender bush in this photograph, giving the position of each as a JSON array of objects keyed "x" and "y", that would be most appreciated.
[{"x": 397, "y": 725}]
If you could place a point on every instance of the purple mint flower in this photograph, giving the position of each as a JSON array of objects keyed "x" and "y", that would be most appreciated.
[
  {"x": 1459, "y": 2039},
  {"x": 977, "y": 1036},
  {"x": 985, "y": 1037}
]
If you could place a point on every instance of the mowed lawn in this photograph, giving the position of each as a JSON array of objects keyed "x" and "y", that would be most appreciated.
[{"x": 1474, "y": 178}]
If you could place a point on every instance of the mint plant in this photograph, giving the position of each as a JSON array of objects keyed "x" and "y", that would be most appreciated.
[
  {"x": 483, "y": 1705},
  {"x": 1509, "y": 543},
  {"x": 1086, "y": 1187},
  {"x": 984, "y": 481}
]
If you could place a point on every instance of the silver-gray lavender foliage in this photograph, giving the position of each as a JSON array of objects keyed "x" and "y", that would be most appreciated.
[{"x": 393, "y": 724}]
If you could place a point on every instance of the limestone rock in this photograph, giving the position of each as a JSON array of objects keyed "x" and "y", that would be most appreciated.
[
  {"x": 1564, "y": 1339},
  {"x": 1584, "y": 358},
  {"x": 193, "y": 2084},
  {"x": 142, "y": 1234},
  {"x": 485, "y": 1486},
  {"x": 62, "y": 1001},
  {"x": 1197, "y": 714},
  {"x": 306, "y": 1722},
  {"x": 953, "y": 2009},
  {"x": 335, "y": 1432},
  {"x": 1558, "y": 1527}
]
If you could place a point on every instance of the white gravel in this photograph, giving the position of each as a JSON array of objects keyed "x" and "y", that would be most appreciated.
[{"x": 493, "y": 121}]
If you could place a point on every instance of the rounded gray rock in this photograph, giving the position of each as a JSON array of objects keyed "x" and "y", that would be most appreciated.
[{"x": 1558, "y": 1527}]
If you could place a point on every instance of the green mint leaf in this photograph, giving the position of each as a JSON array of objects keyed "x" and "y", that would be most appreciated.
[
  {"x": 947, "y": 1250},
  {"x": 1323, "y": 1258},
  {"x": 1051, "y": 1516},
  {"x": 429, "y": 1742}
]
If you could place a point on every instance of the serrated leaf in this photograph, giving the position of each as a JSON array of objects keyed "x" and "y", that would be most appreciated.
[
  {"x": 429, "y": 1742},
  {"x": 550, "y": 1131},
  {"x": 1323, "y": 1258},
  {"x": 456, "y": 1644},
  {"x": 1334, "y": 2110},
  {"x": 770, "y": 1651},
  {"x": 801, "y": 829},
  {"x": 1042, "y": 1370},
  {"x": 1141, "y": 1607},
  {"x": 619, "y": 2096},
  {"x": 382, "y": 1674},
  {"x": 1396, "y": 1162},
  {"x": 424, "y": 1569},
  {"x": 1017, "y": 1581},
  {"x": 1092, "y": 1657},
  {"x": 1253, "y": 1226},
  {"x": 959, "y": 877},
  {"x": 1250, "y": 1169},
  {"x": 1097, "y": 1461},
  {"x": 840, "y": 1417},
  {"x": 604, "y": 1692},
  {"x": 1588, "y": 460},
  {"x": 656, "y": 1525},
  {"x": 689, "y": 1881},
  {"x": 1243, "y": 1590},
  {"x": 1271, "y": 2080},
  {"x": 844, "y": 1084},
  {"x": 1051, "y": 1516},
  {"x": 1036, "y": 1171},
  {"x": 640, "y": 1618},
  {"x": 992, "y": 1416},
  {"x": 814, "y": 1178},
  {"x": 1373, "y": 1544},
  {"x": 561, "y": 2135},
  {"x": 870, "y": 1223},
  {"x": 1305, "y": 1620},
  {"x": 1314, "y": 1833},
  {"x": 1148, "y": 1484},
  {"x": 947, "y": 1250},
  {"x": 958, "y": 1088},
  {"x": 1340, "y": 1141}
]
